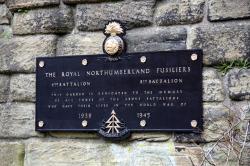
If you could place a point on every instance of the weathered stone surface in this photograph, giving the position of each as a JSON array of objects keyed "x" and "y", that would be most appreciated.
[
  {"x": 245, "y": 159},
  {"x": 156, "y": 39},
  {"x": 68, "y": 134},
  {"x": 221, "y": 42},
  {"x": 171, "y": 12},
  {"x": 228, "y": 9},
  {"x": 216, "y": 154},
  {"x": 19, "y": 4},
  {"x": 2, "y": 1},
  {"x": 238, "y": 84},
  {"x": 212, "y": 86},
  {"x": 134, "y": 13},
  {"x": 17, "y": 120},
  {"x": 138, "y": 40},
  {"x": 11, "y": 154},
  {"x": 81, "y": 44},
  {"x": 22, "y": 87},
  {"x": 41, "y": 21},
  {"x": 4, "y": 87},
  {"x": 241, "y": 116},
  {"x": 151, "y": 137},
  {"x": 216, "y": 121},
  {"x": 5, "y": 32},
  {"x": 188, "y": 137},
  {"x": 19, "y": 54},
  {"x": 96, "y": 152},
  {"x": 84, "y": 1},
  {"x": 5, "y": 15}
]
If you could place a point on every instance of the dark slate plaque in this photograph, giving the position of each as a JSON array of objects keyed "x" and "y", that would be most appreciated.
[{"x": 153, "y": 91}]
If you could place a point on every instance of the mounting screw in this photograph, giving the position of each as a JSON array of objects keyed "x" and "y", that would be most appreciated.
[
  {"x": 194, "y": 123},
  {"x": 143, "y": 59},
  {"x": 194, "y": 57},
  {"x": 143, "y": 123},
  {"x": 84, "y": 123},
  {"x": 84, "y": 62},
  {"x": 40, "y": 124},
  {"x": 41, "y": 63}
]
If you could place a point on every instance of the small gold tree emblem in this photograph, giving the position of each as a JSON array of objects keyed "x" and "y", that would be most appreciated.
[{"x": 113, "y": 123}]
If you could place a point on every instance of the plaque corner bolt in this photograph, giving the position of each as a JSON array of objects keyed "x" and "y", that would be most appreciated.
[
  {"x": 40, "y": 123},
  {"x": 41, "y": 64},
  {"x": 143, "y": 123},
  {"x": 84, "y": 123},
  {"x": 194, "y": 123},
  {"x": 84, "y": 62},
  {"x": 194, "y": 57},
  {"x": 143, "y": 59}
]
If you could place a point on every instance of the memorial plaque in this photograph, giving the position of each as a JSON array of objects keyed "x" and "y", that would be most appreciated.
[{"x": 153, "y": 91}]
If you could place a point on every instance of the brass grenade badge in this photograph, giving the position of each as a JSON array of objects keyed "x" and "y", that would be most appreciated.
[{"x": 113, "y": 45}]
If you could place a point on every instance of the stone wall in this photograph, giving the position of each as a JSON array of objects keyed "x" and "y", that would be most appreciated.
[{"x": 32, "y": 28}]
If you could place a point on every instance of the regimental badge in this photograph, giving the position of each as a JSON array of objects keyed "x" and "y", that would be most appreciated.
[
  {"x": 113, "y": 128},
  {"x": 114, "y": 44}
]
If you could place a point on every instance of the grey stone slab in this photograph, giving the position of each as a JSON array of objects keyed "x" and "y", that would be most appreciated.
[
  {"x": 97, "y": 152},
  {"x": 19, "y": 54},
  {"x": 43, "y": 21},
  {"x": 228, "y": 9},
  {"x": 23, "y": 87},
  {"x": 17, "y": 120},
  {"x": 4, "y": 87},
  {"x": 81, "y": 44},
  {"x": 133, "y": 13},
  {"x": 223, "y": 42},
  {"x": 213, "y": 89},
  {"x": 174, "y": 12},
  {"x": 156, "y": 39},
  {"x": 86, "y": 1},
  {"x": 20, "y": 4},
  {"x": 11, "y": 153},
  {"x": 238, "y": 84},
  {"x": 5, "y": 15}
]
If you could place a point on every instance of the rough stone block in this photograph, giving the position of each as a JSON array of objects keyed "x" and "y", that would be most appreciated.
[
  {"x": 134, "y": 13},
  {"x": 96, "y": 152},
  {"x": 22, "y": 87},
  {"x": 221, "y": 42},
  {"x": 228, "y": 9},
  {"x": 82, "y": 135},
  {"x": 216, "y": 121},
  {"x": 84, "y": 1},
  {"x": 217, "y": 154},
  {"x": 156, "y": 39},
  {"x": 212, "y": 86},
  {"x": 238, "y": 84},
  {"x": 150, "y": 137},
  {"x": 19, "y": 4},
  {"x": 19, "y": 54},
  {"x": 5, "y": 15},
  {"x": 45, "y": 20},
  {"x": 17, "y": 120},
  {"x": 245, "y": 159},
  {"x": 240, "y": 111},
  {"x": 81, "y": 44},
  {"x": 170, "y": 12},
  {"x": 4, "y": 87},
  {"x": 5, "y": 32},
  {"x": 11, "y": 154}
]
